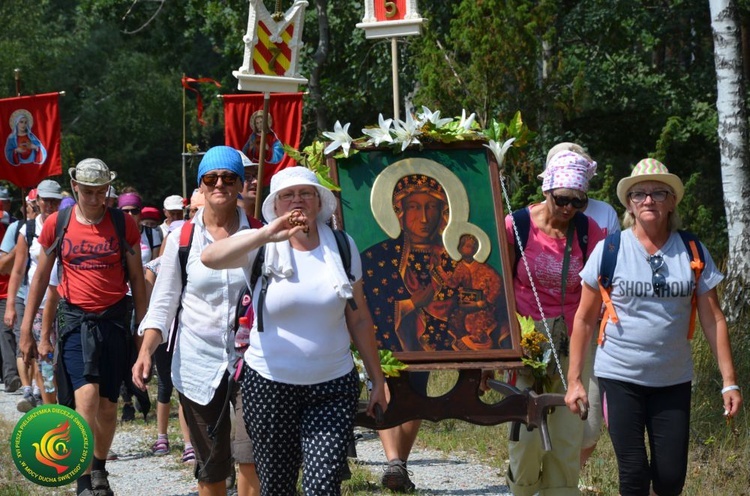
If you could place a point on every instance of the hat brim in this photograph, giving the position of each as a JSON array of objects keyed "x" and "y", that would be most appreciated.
[
  {"x": 50, "y": 196},
  {"x": 669, "y": 179},
  {"x": 328, "y": 202},
  {"x": 72, "y": 173}
]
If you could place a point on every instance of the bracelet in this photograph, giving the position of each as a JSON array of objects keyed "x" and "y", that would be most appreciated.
[{"x": 733, "y": 387}]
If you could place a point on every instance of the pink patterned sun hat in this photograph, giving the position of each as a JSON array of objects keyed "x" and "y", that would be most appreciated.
[{"x": 568, "y": 170}]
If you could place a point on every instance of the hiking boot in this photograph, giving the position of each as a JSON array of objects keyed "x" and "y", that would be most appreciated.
[
  {"x": 12, "y": 385},
  {"x": 128, "y": 413},
  {"x": 396, "y": 477},
  {"x": 100, "y": 483},
  {"x": 26, "y": 403}
]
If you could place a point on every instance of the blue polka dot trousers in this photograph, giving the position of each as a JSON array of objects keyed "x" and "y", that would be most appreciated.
[{"x": 295, "y": 426}]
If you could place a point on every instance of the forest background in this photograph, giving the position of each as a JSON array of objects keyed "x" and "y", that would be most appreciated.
[{"x": 626, "y": 79}]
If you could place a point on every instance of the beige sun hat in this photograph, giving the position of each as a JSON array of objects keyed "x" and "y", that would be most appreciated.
[
  {"x": 299, "y": 176},
  {"x": 649, "y": 169},
  {"x": 92, "y": 172}
]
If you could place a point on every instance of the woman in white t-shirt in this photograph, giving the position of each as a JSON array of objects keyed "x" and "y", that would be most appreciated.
[
  {"x": 300, "y": 386},
  {"x": 644, "y": 361}
]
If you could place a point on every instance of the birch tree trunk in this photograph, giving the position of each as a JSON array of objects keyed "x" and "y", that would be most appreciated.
[{"x": 733, "y": 136}]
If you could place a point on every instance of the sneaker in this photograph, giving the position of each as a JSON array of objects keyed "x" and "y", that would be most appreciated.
[
  {"x": 396, "y": 477},
  {"x": 26, "y": 403},
  {"x": 161, "y": 447},
  {"x": 38, "y": 399},
  {"x": 12, "y": 385},
  {"x": 100, "y": 483},
  {"x": 188, "y": 456},
  {"x": 128, "y": 413}
]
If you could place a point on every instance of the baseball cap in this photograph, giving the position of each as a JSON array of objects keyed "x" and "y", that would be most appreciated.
[
  {"x": 173, "y": 202},
  {"x": 49, "y": 189}
]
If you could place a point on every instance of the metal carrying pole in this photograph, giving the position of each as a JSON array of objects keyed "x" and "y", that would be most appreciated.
[
  {"x": 184, "y": 141},
  {"x": 262, "y": 155},
  {"x": 394, "y": 69}
]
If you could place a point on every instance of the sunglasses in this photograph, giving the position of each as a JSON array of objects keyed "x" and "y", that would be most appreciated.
[
  {"x": 564, "y": 201},
  {"x": 132, "y": 211},
  {"x": 227, "y": 179},
  {"x": 657, "y": 196},
  {"x": 657, "y": 280}
]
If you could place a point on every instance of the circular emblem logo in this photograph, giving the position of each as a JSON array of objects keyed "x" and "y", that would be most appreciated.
[{"x": 52, "y": 445}]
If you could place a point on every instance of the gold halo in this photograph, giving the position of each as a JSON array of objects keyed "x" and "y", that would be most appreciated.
[{"x": 15, "y": 115}]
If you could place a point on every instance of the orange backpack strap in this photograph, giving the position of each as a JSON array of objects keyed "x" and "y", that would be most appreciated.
[
  {"x": 609, "y": 311},
  {"x": 697, "y": 264}
]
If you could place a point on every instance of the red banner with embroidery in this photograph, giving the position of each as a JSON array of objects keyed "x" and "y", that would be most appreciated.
[
  {"x": 198, "y": 98},
  {"x": 32, "y": 146},
  {"x": 243, "y": 118}
]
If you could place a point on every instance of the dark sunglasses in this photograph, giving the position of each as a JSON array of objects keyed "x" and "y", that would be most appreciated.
[
  {"x": 227, "y": 179},
  {"x": 132, "y": 211},
  {"x": 657, "y": 280},
  {"x": 564, "y": 201}
]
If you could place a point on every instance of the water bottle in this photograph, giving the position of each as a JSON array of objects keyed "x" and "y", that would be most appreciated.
[
  {"x": 242, "y": 336},
  {"x": 48, "y": 373}
]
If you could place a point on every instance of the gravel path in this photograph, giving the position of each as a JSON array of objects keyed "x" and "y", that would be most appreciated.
[{"x": 138, "y": 473}]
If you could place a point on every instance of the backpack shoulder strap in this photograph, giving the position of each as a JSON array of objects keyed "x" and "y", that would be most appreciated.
[
  {"x": 522, "y": 221},
  {"x": 606, "y": 272},
  {"x": 118, "y": 219},
  {"x": 345, "y": 251},
  {"x": 61, "y": 226},
  {"x": 30, "y": 235},
  {"x": 257, "y": 272},
  {"x": 186, "y": 240},
  {"x": 697, "y": 264},
  {"x": 150, "y": 237},
  {"x": 581, "y": 222}
]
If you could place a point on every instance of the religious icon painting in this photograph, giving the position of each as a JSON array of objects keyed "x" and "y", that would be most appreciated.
[{"x": 429, "y": 227}]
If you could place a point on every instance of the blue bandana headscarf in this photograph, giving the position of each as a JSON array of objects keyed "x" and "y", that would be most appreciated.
[{"x": 221, "y": 157}]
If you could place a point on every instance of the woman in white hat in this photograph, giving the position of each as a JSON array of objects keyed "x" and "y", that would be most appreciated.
[
  {"x": 299, "y": 374},
  {"x": 643, "y": 361}
]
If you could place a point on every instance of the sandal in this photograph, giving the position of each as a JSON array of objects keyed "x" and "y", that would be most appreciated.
[
  {"x": 188, "y": 455},
  {"x": 160, "y": 447}
]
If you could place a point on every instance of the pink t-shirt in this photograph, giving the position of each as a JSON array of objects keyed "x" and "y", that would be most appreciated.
[{"x": 545, "y": 256}]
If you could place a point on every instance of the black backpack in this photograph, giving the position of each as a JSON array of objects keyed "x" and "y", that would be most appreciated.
[{"x": 522, "y": 220}]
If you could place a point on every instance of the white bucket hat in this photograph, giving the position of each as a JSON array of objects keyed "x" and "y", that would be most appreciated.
[
  {"x": 92, "y": 172},
  {"x": 298, "y": 176}
]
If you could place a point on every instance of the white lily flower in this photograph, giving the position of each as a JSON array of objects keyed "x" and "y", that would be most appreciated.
[
  {"x": 500, "y": 151},
  {"x": 434, "y": 117},
  {"x": 406, "y": 132},
  {"x": 465, "y": 122},
  {"x": 379, "y": 134},
  {"x": 339, "y": 139}
]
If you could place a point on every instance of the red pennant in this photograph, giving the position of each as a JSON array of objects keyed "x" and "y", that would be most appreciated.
[
  {"x": 199, "y": 99},
  {"x": 285, "y": 123},
  {"x": 32, "y": 146}
]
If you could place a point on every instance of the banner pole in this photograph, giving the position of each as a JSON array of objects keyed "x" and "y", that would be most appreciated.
[
  {"x": 17, "y": 76},
  {"x": 394, "y": 69},
  {"x": 184, "y": 140},
  {"x": 262, "y": 156}
]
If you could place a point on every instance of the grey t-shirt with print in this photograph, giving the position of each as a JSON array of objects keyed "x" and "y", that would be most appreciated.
[{"x": 649, "y": 345}]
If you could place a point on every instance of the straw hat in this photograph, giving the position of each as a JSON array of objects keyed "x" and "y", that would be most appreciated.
[{"x": 649, "y": 169}]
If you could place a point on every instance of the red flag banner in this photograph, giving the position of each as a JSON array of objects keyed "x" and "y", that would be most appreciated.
[
  {"x": 198, "y": 98},
  {"x": 32, "y": 146},
  {"x": 243, "y": 118}
]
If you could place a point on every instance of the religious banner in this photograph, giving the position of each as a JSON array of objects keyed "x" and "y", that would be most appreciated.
[
  {"x": 272, "y": 44},
  {"x": 391, "y": 18},
  {"x": 243, "y": 121},
  {"x": 32, "y": 146}
]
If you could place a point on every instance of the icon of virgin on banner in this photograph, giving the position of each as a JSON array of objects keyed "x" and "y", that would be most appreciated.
[
  {"x": 31, "y": 150},
  {"x": 22, "y": 146}
]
